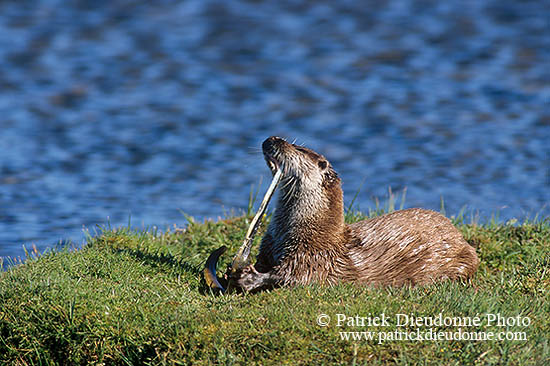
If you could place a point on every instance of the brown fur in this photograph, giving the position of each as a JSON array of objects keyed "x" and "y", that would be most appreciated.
[{"x": 308, "y": 241}]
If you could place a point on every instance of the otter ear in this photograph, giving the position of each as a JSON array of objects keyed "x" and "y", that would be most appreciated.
[{"x": 322, "y": 164}]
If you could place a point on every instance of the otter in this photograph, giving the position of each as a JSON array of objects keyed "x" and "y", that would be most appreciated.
[{"x": 308, "y": 241}]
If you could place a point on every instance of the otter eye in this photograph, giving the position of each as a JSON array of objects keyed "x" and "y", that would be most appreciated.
[{"x": 322, "y": 164}]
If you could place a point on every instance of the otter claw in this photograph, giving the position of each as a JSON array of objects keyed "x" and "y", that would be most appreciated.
[{"x": 209, "y": 271}]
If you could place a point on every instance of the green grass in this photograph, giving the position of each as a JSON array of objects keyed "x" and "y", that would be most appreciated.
[{"x": 136, "y": 297}]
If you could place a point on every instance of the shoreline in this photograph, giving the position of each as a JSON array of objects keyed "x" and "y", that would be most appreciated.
[{"x": 138, "y": 296}]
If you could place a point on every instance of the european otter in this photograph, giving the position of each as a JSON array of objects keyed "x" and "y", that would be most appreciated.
[{"x": 308, "y": 241}]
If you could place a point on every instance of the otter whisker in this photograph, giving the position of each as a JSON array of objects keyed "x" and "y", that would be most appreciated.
[
  {"x": 287, "y": 183},
  {"x": 291, "y": 192},
  {"x": 254, "y": 150},
  {"x": 288, "y": 194}
]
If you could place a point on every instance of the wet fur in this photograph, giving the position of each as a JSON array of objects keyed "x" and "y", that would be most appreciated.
[{"x": 307, "y": 240}]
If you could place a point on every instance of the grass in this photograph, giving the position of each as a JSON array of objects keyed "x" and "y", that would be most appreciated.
[{"x": 136, "y": 297}]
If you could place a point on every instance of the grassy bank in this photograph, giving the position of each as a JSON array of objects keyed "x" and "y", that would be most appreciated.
[{"x": 132, "y": 297}]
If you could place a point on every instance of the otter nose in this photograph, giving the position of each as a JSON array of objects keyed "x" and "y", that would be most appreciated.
[{"x": 272, "y": 143}]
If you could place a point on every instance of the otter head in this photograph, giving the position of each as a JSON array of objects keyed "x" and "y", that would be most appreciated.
[{"x": 308, "y": 182}]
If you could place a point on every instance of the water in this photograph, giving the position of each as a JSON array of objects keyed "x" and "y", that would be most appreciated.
[{"x": 120, "y": 110}]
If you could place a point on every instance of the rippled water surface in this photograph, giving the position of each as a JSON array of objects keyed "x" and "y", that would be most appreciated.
[{"x": 112, "y": 110}]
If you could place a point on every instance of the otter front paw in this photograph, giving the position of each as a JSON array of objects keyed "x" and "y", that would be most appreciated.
[{"x": 248, "y": 279}]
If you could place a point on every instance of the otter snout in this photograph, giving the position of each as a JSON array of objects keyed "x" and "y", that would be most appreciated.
[
  {"x": 272, "y": 147},
  {"x": 272, "y": 144}
]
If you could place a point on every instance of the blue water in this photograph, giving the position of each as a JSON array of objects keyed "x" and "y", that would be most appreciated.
[{"x": 118, "y": 110}]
